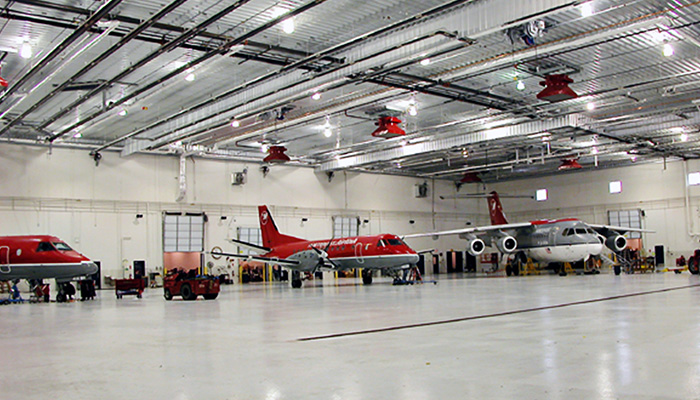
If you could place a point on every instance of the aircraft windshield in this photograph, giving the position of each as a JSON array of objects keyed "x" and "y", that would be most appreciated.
[
  {"x": 394, "y": 242},
  {"x": 45, "y": 246},
  {"x": 62, "y": 246}
]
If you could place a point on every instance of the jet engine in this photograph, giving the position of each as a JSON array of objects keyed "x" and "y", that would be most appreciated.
[
  {"x": 506, "y": 244},
  {"x": 475, "y": 246},
  {"x": 616, "y": 242}
]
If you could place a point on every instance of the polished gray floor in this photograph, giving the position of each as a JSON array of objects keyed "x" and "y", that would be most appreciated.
[{"x": 478, "y": 338}]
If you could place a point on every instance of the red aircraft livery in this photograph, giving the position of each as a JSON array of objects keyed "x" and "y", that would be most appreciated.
[
  {"x": 383, "y": 252},
  {"x": 41, "y": 257}
]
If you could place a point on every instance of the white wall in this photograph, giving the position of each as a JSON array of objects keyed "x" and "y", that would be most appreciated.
[{"x": 62, "y": 192}]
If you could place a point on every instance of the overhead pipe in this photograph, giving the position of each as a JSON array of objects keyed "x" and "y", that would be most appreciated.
[
  {"x": 332, "y": 85},
  {"x": 319, "y": 55},
  {"x": 84, "y": 27},
  {"x": 113, "y": 49},
  {"x": 163, "y": 49},
  {"x": 171, "y": 45},
  {"x": 166, "y": 27},
  {"x": 556, "y": 46}
]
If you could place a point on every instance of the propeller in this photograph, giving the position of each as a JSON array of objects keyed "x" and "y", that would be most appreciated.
[{"x": 324, "y": 254}]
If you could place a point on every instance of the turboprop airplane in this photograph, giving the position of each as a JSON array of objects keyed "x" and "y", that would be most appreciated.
[
  {"x": 547, "y": 241},
  {"x": 380, "y": 252},
  {"x": 42, "y": 257}
]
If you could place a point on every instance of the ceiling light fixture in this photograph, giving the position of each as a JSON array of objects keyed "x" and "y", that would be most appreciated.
[
  {"x": 594, "y": 150},
  {"x": 684, "y": 137},
  {"x": 25, "y": 51},
  {"x": 668, "y": 50},
  {"x": 288, "y": 26},
  {"x": 586, "y": 10},
  {"x": 235, "y": 123},
  {"x": 425, "y": 61},
  {"x": 520, "y": 86},
  {"x": 327, "y": 131},
  {"x": 264, "y": 147},
  {"x": 190, "y": 77},
  {"x": 412, "y": 110},
  {"x": 590, "y": 106},
  {"x": 78, "y": 135},
  {"x": 316, "y": 96}
]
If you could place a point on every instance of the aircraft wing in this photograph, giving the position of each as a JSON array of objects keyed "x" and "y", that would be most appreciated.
[
  {"x": 270, "y": 260},
  {"x": 601, "y": 229},
  {"x": 250, "y": 246},
  {"x": 477, "y": 230}
]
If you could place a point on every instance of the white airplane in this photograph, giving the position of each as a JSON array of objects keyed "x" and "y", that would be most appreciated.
[{"x": 546, "y": 241}]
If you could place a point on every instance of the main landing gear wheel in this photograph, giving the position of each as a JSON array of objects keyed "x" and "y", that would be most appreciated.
[
  {"x": 296, "y": 279},
  {"x": 167, "y": 294},
  {"x": 693, "y": 266},
  {"x": 60, "y": 297},
  {"x": 367, "y": 277},
  {"x": 617, "y": 269},
  {"x": 509, "y": 270},
  {"x": 186, "y": 292}
]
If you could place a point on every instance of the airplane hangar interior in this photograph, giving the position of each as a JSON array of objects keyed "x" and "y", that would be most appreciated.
[{"x": 343, "y": 199}]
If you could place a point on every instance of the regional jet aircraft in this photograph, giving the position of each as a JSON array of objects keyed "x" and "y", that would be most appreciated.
[
  {"x": 380, "y": 252},
  {"x": 546, "y": 241},
  {"x": 42, "y": 257}
]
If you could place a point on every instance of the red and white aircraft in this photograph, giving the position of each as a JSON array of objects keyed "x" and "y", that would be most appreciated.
[
  {"x": 41, "y": 257},
  {"x": 380, "y": 252},
  {"x": 546, "y": 241}
]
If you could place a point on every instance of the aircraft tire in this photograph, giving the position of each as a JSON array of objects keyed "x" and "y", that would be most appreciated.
[
  {"x": 617, "y": 270},
  {"x": 516, "y": 268},
  {"x": 509, "y": 270},
  {"x": 60, "y": 297},
  {"x": 210, "y": 296},
  {"x": 167, "y": 294},
  {"x": 296, "y": 283},
  {"x": 186, "y": 292},
  {"x": 367, "y": 277}
]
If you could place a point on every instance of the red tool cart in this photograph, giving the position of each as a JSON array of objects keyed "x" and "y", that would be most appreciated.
[
  {"x": 128, "y": 286},
  {"x": 180, "y": 284}
]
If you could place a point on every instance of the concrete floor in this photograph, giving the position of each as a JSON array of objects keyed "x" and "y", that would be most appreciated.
[{"x": 246, "y": 344}]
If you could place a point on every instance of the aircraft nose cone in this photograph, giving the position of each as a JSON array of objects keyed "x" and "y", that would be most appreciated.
[{"x": 90, "y": 267}]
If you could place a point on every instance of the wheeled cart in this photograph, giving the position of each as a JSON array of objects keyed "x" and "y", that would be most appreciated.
[
  {"x": 128, "y": 286},
  {"x": 190, "y": 288}
]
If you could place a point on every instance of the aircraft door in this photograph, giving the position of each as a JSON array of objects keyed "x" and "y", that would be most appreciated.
[
  {"x": 358, "y": 253},
  {"x": 4, "y": 260},
  {"x": 553, "y": 236}
]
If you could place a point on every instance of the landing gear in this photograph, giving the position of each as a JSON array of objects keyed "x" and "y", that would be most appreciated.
[
  {"x": 617, "y": 269},
  {"x": 296, "y": 279},
  {"x": 65, "y": 292},
  {"x": 367, "y": 276}
]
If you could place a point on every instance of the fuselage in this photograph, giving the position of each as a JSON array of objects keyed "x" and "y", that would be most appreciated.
[
  {"x": 373, "y": 252},
  {"x": 41, "y": 257},
  {"x": 564, "y": 240}
]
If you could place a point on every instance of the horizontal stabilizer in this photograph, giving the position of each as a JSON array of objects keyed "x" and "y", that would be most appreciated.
[
  {"x": 618, "y": 229},
  {"x": 250, "y": 246}
]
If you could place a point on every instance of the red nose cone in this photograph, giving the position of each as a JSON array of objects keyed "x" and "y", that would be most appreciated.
[
  {"x": 388, "y": 128},
  {"x": 556, "y": 88},
  {"x": 275, "y": 155},
  {"x": 569, "y": 164}
]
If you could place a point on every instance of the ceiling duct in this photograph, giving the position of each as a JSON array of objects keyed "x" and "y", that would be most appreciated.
[
  {"x": 275, "y": 155},
  {"x": 388, "y": 128},
  {"x": 569, "y": 163},
  {"x": 556, "y": 88}
]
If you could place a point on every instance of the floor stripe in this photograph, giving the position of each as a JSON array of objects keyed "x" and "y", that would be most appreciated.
[{"x": 485, "y": 316}]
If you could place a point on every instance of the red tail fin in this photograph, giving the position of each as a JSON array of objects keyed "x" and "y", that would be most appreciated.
[
  {"x": 496, "y": 210},
  {"x": 272, "y": 237}
]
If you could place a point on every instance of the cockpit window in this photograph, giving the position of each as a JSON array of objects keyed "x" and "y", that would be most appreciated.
[
  {"x": 62, "y": 246},
  {"x": 567, "y": 232},
  {"x": 381, "y": 243},
  {"x": 45, "y": 246},
  {"x": 581, "y": 231},
  {"x": 394, "y": 242}
]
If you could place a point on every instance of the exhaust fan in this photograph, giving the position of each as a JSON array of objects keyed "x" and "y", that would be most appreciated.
[
  {"x": 388, "y": 128},
  {"x": 275, "y": 155},
  {"x": 556, "y": 88}
]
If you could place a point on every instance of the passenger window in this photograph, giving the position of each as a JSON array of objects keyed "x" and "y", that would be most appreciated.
[{"x": 45, "y": 246}]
